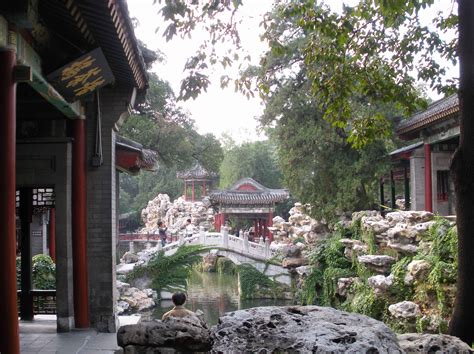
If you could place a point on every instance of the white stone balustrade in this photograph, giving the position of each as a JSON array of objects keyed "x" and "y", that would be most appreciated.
[{"x": 260, "y": 251}]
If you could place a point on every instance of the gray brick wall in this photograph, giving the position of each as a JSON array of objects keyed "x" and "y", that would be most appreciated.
[{"x": 102, "y": 210}]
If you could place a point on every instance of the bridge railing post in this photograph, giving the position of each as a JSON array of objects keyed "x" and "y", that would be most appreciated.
[
  {"x": 202, "y": 235},
  {"x": 148, "y": 245},
  {"x": 225, "y": 236},
  {"x": 246, "y": 242},
  {"x": 260, "y": 241},
  {"x": 131, "y": 247},
  {"x": 267, "y": 248},
  {"x": 181, "y": 239},
  {"x": 160, "y": 246}
]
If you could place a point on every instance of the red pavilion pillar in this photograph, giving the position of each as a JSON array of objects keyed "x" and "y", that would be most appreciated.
[
  {"x": 10, "y": 342},
  {"x": 255, "y": 228},
  {"x": 52, "y": 234},
  {"x": 270, "y": 223},
  {"x": 79, "y": 226},
  {"x": 428, "y": 180}
]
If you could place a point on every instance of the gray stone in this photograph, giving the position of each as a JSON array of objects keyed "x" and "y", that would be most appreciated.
[
  {"x": 183, "y": 334},
  {"x": 343, "y": 285},
  {"x": 129, "y": 257},
  {"x": 417, "y": 270},
  {"x": 404, "y": 249},
  {"x": 294, "y": 262},
  {"x": 380, "y": 283},
  {"x": 304, "y": 270},
  {"x": 404, "y": 310},
  {"x": 432, "y": 343},
  {"x": 378, "y": 263},
  {"x": 124, "y": 268},
  {"x": 301, "y": 329}
]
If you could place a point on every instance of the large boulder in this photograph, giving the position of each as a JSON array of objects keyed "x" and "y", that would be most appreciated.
[
  {"x": 301, "y": 329},
  {"x": 187, "y": 334},
  {"x": 432, "y": 343}
]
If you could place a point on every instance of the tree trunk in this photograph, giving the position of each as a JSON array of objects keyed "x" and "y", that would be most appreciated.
[{"x": 462, "y": 169}]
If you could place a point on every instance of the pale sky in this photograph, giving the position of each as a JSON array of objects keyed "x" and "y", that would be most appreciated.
[
  {"x": 220, "y": 110},
  {"x": 217, "y": 110}
]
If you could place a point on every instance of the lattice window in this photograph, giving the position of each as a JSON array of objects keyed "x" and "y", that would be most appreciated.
[{"x": 43, "y": 197}]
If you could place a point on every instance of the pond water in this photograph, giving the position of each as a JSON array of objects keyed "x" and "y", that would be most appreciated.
[{"x": 214, "y": 294}]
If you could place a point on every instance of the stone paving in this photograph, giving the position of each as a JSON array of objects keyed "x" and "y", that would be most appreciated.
[{"x": 40, "y": 336}]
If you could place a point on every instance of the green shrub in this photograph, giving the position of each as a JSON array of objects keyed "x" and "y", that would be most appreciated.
[
  {"x": 169, "y": 272},
  {"x": 225, "y": 266},
  {"x": 43, "y": 272},
  {"x": 254, "y": 284}
]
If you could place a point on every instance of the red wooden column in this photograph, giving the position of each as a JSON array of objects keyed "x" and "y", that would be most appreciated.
[
  {"x": 428, "y": 180},
  {"x": 255, "y": 227},
  {"x": 52, "y": 234},
  {"x": 216, "y": 222},
  {"x": 10, "y": 342},
  {"x": 270, "y": 223},
  {"x": 79, "y": 226}
]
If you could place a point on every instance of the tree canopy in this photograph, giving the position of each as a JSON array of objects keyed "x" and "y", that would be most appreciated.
[
  {"x": 161, "y": 125},
  {"x": 257, "y": 160}
]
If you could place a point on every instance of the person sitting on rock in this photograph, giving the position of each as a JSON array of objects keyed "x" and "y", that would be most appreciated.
[{"x": 178, "y": 310}]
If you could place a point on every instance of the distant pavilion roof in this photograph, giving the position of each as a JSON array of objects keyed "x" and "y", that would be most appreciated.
[
  {"x": 250, "y": 192},
  {"x": 436, "y": 112},
  {"x": 131, "y": 157},
  {"x": 196, "y": 172}
]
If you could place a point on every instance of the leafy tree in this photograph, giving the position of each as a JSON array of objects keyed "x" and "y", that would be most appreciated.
[
  {"x": 371, "y": 50},
  {"x": 170, "y": 272},
  {"x": 257, "y": 160},
  {"x": 162, "y": 126}
]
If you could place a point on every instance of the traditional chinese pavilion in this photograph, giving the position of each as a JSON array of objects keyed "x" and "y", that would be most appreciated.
[
  {"x": 71, "y": 72},
  {"x": 197, "y": 182},
  {"x": 248, "y": 199},
  {"x": 423, "y": 166}
]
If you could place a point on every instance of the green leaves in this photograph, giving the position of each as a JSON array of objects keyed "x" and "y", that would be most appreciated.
[{"x": 170, "y": 272}]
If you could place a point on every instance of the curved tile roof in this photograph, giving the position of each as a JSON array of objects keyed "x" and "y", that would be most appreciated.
[
  {"x": 249, "y": 191},
  {"x": 196, "y": 172},
  {"x": 436, "y": 112}
]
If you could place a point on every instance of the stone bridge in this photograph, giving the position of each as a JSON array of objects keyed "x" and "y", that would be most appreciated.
[{"x": 238, "y": 249}]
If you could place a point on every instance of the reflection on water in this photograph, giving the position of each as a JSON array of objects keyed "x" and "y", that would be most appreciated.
[{"x": 214, "y": 294}]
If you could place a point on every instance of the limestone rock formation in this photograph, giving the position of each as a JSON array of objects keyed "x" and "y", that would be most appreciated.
[
  {"x": 299, "y": 224},
  {"x": 301, "y": 329},
  {"x": 416, "y": 270},
  {"x": 380, "y": 283},
  {"x": 378, "y": 263},
  {"x": 134, "y": 299},
  {"x": 404, "y": 310},
  {"x": 174, "y": 214},
  {"x": 432, "y": 343},
  {"x": 187, "y": 334}
]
